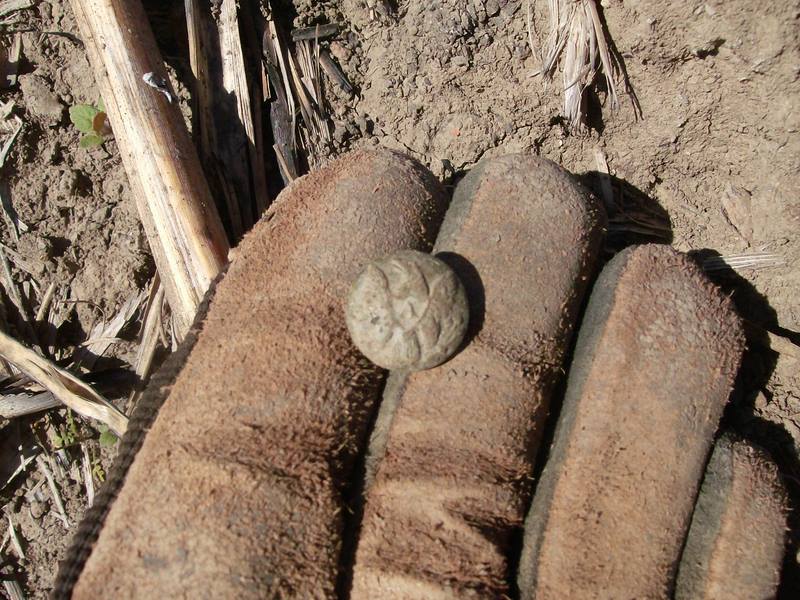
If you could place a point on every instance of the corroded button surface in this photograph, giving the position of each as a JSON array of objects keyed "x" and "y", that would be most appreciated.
[{"x": 407, "y": 311}]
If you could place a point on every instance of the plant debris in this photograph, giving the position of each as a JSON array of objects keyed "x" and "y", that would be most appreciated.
[
  {"x": 63, "y": 385},
  {"x": 577, "y": 40}
]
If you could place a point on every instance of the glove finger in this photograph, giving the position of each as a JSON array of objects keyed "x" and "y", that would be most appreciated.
[
  {"x": 654, "y": 365},
  {"x": 236, "y": 491},
  {"x": 453, "y": 485}
]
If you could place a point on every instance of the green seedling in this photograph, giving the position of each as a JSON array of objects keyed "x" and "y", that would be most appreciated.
[
  {"x": 97, "y": 471},
  {"x": 92, "y": 121},
  {"x": 107, "y": 437},
  {"x": 67, "y": 435}
]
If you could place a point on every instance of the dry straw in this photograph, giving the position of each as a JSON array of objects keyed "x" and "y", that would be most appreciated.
[
  {"x": 63, "y": 385},
  {"x": 577, "y": 41}
]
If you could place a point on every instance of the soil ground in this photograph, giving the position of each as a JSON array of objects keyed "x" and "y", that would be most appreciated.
[{"x": 713, "y": 159}]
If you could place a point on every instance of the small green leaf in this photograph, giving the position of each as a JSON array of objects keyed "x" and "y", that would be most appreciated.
[
  {"x": 82, "y": 116},
  {"x": 90, "y": 140},
  {"x": 100, "y": 105},
  {"x": 107, "y": 438}
]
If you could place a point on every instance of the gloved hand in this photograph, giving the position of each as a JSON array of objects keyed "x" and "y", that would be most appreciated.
[{"x": 258, "y": 478}]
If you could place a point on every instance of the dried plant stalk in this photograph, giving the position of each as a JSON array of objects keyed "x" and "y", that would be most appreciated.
[
  {"x": 12, "y": 588},
  {"x": 18, "y": 405},
  {"x": 9, "y": 6},
  {"x": 63, "y": 385},
  {"x": 42, "y": 462},
  {"x": 235, "y": 83},
  {"x": 86, "y": 468},
  {"x": 104, "y": 334},
  {"x": 174, "y": 201},
  {"x": 735, "y": 262},
  {"x": 305, "y": 70},
  {"x": 577, "y": 40},
  {"x": 15, "y": 543},
  {"x": 197, "y": 36},
  {"x": 228, "y": 106},
  {"x": 282, "y": 115}
]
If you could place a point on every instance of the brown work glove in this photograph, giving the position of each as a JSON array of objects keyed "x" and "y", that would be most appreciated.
[{"x": 280, "y": 465}]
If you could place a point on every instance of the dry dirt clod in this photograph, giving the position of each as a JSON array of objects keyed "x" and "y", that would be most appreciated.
[
  {"x": 738, "y": 205},
  {"x": 407, "y": 311},
  {"x": 40, "y": 99},
  {"x": 38, "y": 509}
]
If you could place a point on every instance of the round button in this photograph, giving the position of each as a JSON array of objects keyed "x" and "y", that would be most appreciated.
[{"x": 407, "y": 311}]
